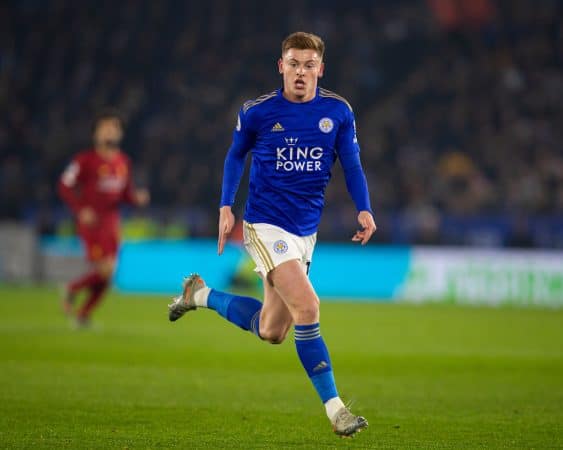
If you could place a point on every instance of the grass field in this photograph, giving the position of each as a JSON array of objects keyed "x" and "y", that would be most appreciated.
[{"x": 425, "y": 377}]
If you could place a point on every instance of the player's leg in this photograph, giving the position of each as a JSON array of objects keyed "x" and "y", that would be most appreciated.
[
  {"x": 270, "y": 317},
  {"x": 105, "y": 268},
  {"x": 293, "y": 286},
  {"x": 270, "y": 320},
  {"x": 89, "y": 280},
  {"x": 275, "y": 319},
  {"x": 240, "y": 310},
  {"x": 102, "y": 252},
  {"x": 84, "y": 281}
]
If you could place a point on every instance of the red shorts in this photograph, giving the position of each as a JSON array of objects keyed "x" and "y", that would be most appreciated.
[{"x": 100, "y": 242}]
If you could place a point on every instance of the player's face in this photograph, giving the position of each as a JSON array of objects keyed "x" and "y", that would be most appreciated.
[
  {"x": 300, "y": 69},
  {"x": 108, "y": 135}
]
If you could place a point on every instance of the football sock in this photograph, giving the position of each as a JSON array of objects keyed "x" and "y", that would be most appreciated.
[
  {"x": 201, "y": 295},
  {"x": 96, "y": 293},
  {"x": 314, "y": 356},
  {"x": 88, "y": 280},
  {"x": 332, "y": 406},
  {"x": 242, "y": 311}
]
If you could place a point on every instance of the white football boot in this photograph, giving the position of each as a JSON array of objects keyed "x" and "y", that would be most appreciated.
[
  {"x": 346, "y": 424},
  {"x": 185, "y": 302}
]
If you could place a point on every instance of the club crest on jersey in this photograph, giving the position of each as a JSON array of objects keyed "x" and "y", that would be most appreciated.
[
  {"x": 278, "y": 127},
  {"x": 326, "y": 125},
  {"x": 280, "y": 247}
]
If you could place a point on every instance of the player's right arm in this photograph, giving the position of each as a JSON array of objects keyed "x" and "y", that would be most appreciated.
[
  {"x": 68, "y": 188},
  {"x": 243, "y": 140}
]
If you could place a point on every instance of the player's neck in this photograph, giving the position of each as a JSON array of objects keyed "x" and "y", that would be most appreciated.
[
  {"x": 299, "y": 99},
  {"x": 106, "y": 154}
]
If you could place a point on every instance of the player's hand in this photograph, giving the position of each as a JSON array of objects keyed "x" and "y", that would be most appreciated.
[
  {"x": 142, "y": 197},
  {"x": 87, "y": 216},
  {"x": 365, "y": 219},
  {"x": 226, "y": 224}
]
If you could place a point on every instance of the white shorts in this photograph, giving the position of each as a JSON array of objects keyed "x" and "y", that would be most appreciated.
[{"x": 269, "y": 246}]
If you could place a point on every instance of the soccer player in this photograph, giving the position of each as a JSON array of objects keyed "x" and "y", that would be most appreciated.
[
  {"x": 94, "y": 185},
  {"x": 295, "y": 134}
]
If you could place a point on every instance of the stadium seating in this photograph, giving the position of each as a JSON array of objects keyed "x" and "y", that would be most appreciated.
[{"x": 458, "y": 126}]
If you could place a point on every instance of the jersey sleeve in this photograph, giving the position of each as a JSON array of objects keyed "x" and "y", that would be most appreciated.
[
  {"x": 348, "y": 152},
  {"x": 243, "y": 140},
  {"x": 70, "y": 182},
  {"x": 346, "y": 140}
]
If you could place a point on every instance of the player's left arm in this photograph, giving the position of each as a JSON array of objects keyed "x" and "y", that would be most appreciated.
[
  {"x": 133, "y": 195},
  {"x": 349, "y": 155}
]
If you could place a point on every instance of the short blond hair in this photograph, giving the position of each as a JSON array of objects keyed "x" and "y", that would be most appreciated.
[{"x": 303, "y": 41}]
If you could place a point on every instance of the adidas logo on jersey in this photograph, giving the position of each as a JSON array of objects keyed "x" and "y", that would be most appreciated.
[
  {"x": 278, "y": 127},
  {"x": 320, "y": 366}
]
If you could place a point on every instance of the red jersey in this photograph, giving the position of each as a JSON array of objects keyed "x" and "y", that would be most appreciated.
[{"x": 102, "y": 184}]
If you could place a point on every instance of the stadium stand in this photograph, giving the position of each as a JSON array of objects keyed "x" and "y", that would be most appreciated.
[{"x": 460, "y": 120}]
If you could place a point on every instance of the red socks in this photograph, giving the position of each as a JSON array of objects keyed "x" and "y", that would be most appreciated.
[
  {"x": 96, "y": 293},
  {"x": 97, "y": 286}
]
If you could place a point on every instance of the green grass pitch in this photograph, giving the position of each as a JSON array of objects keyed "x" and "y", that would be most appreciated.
[{"x": 424, "y": 376}]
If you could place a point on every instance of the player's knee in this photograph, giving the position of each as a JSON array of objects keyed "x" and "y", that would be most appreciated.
[
  {"x": 105, "y": 272},
  {"x": 106, "y": 269},
  {"x": 307, "y": 313},
  {"x": 273, "y": 336},
  {"x": 276, "y": 340}
]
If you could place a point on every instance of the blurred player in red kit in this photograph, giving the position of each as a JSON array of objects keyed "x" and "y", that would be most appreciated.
[{"x": 94, "y": 185}]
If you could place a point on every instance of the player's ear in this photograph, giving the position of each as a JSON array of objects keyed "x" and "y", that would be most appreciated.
[
  {"x": 280, "y": 66},
  {"x": 322, "y": 70}
]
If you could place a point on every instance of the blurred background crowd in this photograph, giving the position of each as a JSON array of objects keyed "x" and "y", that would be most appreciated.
[{"x": 459, "y": 106}]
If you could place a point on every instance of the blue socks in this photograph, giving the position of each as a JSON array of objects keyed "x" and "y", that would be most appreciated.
[
  {"x": 242, "y": 311},
  {"x": 314, "y": 356},
  {"x": 245, "y": 313}
]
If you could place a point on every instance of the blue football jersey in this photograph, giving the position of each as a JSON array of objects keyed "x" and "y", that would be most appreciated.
[{"x": 293, "y": 147}]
